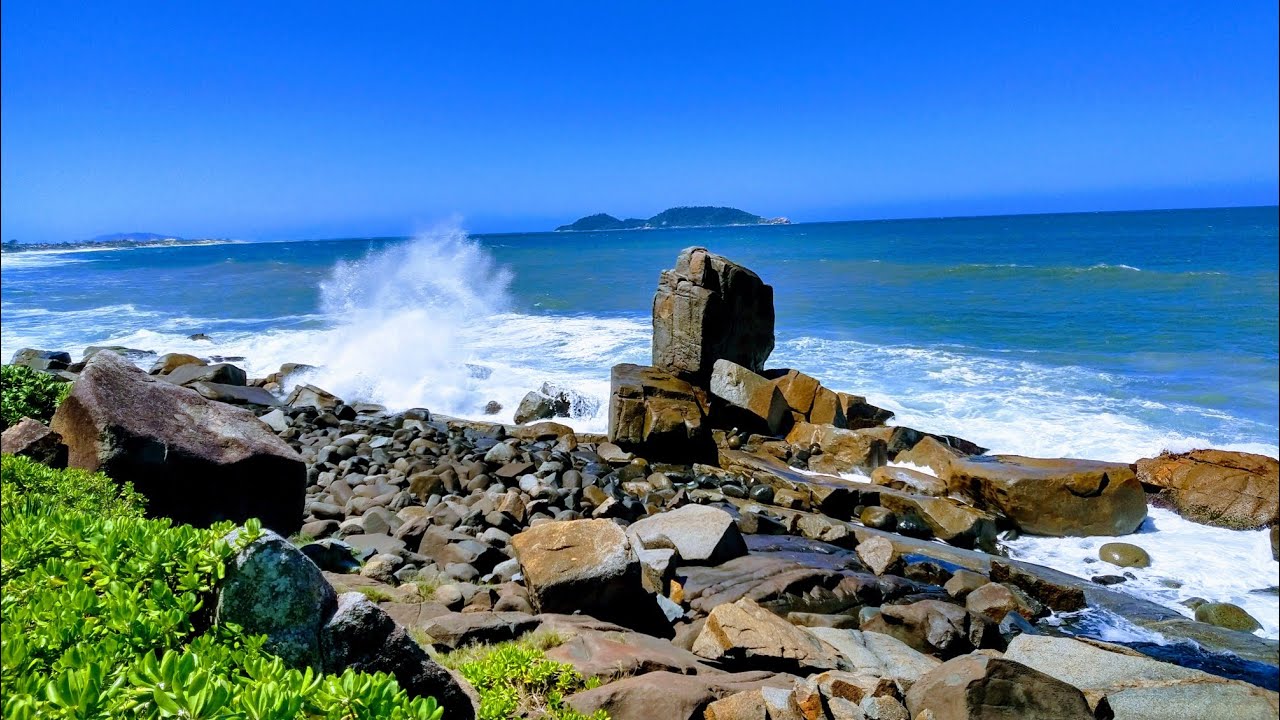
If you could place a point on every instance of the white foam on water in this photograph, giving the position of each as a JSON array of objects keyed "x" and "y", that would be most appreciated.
[{"x": 1215, "y": 564}]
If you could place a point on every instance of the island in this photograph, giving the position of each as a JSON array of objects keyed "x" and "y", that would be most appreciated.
[
  {"x": 114, "y": 240},
  {"x": 677, "y": 217}
]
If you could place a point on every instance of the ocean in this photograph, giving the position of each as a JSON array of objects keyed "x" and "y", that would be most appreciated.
[{"x": 1101, "y": 335}]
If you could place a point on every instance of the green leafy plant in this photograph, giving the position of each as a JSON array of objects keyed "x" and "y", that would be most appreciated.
[
  {"x": 515, "y": 679},
  {"x": 29, "y": 393},
  {"x": 102, "y": 618}
]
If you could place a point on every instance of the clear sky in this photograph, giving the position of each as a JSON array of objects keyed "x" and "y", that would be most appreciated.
[{"x": 316, "y": 119}]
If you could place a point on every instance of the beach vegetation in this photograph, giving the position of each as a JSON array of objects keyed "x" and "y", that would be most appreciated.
[
  {"x": 516, "y": 679},
  {"x": 25, "y": 392},
  {"x": 106, "y": 614}
]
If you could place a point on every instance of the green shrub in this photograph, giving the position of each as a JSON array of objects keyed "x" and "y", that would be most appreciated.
[
  {"x": 515, "y": 679},
  {"x": 70, "y": 489},
  {"x": 29, "y": 393},
  {"x": 102, "y": 618}
]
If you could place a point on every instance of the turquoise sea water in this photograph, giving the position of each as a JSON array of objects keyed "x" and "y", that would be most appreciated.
[{"x": 1109, "y": 335}]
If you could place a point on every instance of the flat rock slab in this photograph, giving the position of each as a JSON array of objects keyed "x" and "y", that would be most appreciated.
[
  {"x": 877, "y": 654},
  {"x": 456, "y": 630},
  {"x": 1060, "y": 497},
  {"x": 671, "y": 696},
  {"x": 611, "y": 654},
  {"x": 1140, "y": 687},
  {"x": 980, "y": 687}
]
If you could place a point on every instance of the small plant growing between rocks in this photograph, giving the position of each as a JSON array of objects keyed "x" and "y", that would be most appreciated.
[{"x": 515, "y": 679}]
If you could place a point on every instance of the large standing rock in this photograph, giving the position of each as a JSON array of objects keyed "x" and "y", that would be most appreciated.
[
  {"x": 746, "y": 636},
  {"x": 272, "y": 589},
  {"x": 702, "y": 535},
  {"x": 1061, "y": 497},
  {"x": 709, "y": 308},
  {"x": 196, "y": 461},
  {"x": 583, "y": 566},
  {"x": 1217, "y": 487},
  {"x": 656, "y": 414},
  {"x": 752, "y": 400},
  {"x": 363, "y": 637},
  {"x": 31, "y": 438},
  {"x": 978, "y": 687},
  {"x": 1139, "y": 687}
]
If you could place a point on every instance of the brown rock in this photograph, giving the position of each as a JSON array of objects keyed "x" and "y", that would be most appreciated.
[
  {"x": 842, "y": 450},
  {"x": 610, "y": 654},
  {"x": 1062, "y": 497},
  {"x": 709, "y": 308},
  {"x": 963, "y": 582},
  {"x": 1217, "y": 487},
  {"x": 912, "y": 481},
  {"x": 748, "y": 705},
  {"x": 993, "y": 601},
  {"x": 957, "y": 524},
  {"x": 750, "y": 400},
  {"x": 699, "y": 533},
  {"x": 859, "y": 413},
  {"x": 31, "y": 438},
  {"x": 878, "y": 554},
  {"x": 827, "y": 409},
  {"x": 797, "y": 388},
  {"x": 671, "y": 696},
  {"x": 929, "y": 626},
  {"x": 654, "y": 413},
  {"x": 169, "y": 362},
  {"x": 584, "y": 566},
  {"x": 196, "y": 461},
  {"x": 1061, "y": 598},
  {"x": 931, "y": 453},
  {"x": 745, "y": 635},
  {"x": 979, "y": 687}
]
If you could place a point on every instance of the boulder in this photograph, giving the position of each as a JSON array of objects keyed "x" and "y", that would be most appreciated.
[
  {"x": 980, "y": 687},
  {"x": 797, "y": 389},
  {"x": 31, "y": 438},
  {"x": 654, "y": 413},
  {"x": 878, "y": 554},
  {"x": 671, "y": 696},
  {"x": 361, "y": 636},
  {"x": 1060, "y": 497},
  {"x": 534, "y": 406},
  {"x": 272, "y": 589},
  {"x": 702, "y": 535},
  {"x": 168, "y": 362},
  {"x": 1138, "y": 687},
  {"x": 313, "y": 397},
  {"x": 219, "y": 373},
  {"x": 567, "y": 402},
  {"x": 611, "y": 654},
  {"x": 234, "y": 394},
  {"x": 858, "y": 413},
  {"x": 842, "y": 450},
  {"x": 744, "y": 635},
  {"x": 827, "y": 409},
  {"x": 1058, "y": 596},
  {"x": 932, "y": 453},
  {"x": 1229, "y": 489},
  {"x": 1227, "y": 615},
  {"x": 584, "y": 566},
  {"x": 456, "y": 630},
  {"x": 709, "y": 308},
  {"x": 196, "y": 461},
  {"x": 751, "y": 401},
  {"x": 1124, "y": 555},
  {"x": 926, "y": 625},
  {"x": 957, "y": 524},
  {"x": 51, "y": 360}
]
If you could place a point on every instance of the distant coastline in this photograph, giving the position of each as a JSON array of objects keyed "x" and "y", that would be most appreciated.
[
  {"x": 676, "y": 217},
  {"x": 111, "y": 242}
]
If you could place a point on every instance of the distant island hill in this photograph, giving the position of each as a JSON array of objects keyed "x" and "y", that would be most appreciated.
[
  {"x": 114, "y": 240},
  {"x": 677, "y": 217}
]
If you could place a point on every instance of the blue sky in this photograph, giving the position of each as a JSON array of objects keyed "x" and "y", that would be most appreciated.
[{"x": 279, "y": 120}]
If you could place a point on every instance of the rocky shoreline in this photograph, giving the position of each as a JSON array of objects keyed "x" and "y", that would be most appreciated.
[{"x": 709, "y": 556}]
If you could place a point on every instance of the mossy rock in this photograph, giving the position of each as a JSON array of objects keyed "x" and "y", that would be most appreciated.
[
  {"x": 1227, "y": 615},
  {"x": 1124, "y": 555}
]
